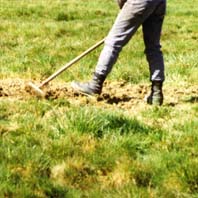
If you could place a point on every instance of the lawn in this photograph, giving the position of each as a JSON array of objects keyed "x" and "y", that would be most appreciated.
[{"x": 114, "y": 145}]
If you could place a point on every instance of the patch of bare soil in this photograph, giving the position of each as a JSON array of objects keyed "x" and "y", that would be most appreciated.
[{"x": 119, "y": 94}]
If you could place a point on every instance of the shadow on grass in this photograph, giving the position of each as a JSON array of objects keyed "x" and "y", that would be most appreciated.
[{"x": 100, "y": 123}]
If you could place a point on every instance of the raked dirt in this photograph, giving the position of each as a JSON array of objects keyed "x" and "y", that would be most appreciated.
[{"x": 115, "y": 94}]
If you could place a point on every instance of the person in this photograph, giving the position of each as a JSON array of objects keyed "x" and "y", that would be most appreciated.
[{"x": 134, "y": 13}]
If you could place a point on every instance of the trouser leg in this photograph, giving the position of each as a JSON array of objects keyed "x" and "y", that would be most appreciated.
[
  {"x": 132, "y": 15},
  {"x": 152, "y": 27}
]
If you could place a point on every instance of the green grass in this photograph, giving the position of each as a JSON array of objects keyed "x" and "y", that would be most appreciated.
[{"x": 56, "y": 148}]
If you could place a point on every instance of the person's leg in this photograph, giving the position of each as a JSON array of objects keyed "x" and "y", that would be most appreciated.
[
  {"x": 132, "y": 15},
  {"x": 152, "y": 27}
]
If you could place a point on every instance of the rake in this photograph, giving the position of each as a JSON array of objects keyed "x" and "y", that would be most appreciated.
[{"x": 38, "y": 89}]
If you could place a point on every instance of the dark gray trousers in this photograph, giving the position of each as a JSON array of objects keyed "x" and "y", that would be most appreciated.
[{"x": 148, "y": 13}]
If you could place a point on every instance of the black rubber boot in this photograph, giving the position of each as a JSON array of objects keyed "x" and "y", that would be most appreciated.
[
  {"x": 156, "y": 95},
  {"x": 93, "y": 87}
]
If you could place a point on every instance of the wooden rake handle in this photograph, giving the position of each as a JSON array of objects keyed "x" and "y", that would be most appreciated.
[{"x": 63, "y": 68}]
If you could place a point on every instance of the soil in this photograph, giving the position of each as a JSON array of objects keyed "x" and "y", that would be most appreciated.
[{"x": 117, "y": 94}]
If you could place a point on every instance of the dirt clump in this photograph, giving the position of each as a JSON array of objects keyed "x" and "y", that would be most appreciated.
[{"x": 11, "y": 88}]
